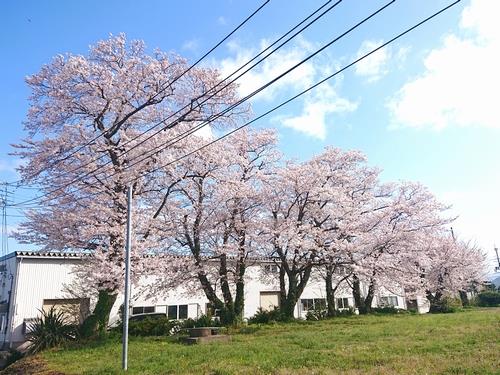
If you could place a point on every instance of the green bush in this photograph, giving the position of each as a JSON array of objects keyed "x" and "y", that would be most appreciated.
[
  {"x": 202, "y": 321},
  {"x": 388, "y": 310},
  {"x": 488, "y": 298},
  {"x": 266, "y": 317},
  {"x": 446, "y": 305},
  {"x": 345, "y": 312},
  {"x": 316, "y": 314},
  {"x": 158, "y": 326},
  {"x": 49, "y": 330}
]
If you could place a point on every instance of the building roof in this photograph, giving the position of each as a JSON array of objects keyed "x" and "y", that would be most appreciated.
[
  {"x": 81, "y": 254},
  {"x": 46, "y": 254}
]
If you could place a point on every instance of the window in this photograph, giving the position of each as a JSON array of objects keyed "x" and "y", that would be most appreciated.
[
  {"x": 313, "y": 304},
  {"x": 175, "y": 312},
  {"x": 172, "y": 312},
  {"x": 342, "y": 303},
  {"x": 143, "y": 310},
  {"x": 320, "y": 303},
  {"x": 271, "y": 268},
  {"x": 183, "y": 311},
  {"x": 389, "y": 301}
]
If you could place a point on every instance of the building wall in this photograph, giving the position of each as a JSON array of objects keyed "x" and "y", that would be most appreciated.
[
  {"x": 43, "y": 278},
  {"x": 257, "y": 280},
  {"x": 38, "y": 279}
]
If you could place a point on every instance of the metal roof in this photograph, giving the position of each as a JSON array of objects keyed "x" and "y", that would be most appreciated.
[
  {"x": 46, "y": 254},
  {"x": 82, "y": 254}
]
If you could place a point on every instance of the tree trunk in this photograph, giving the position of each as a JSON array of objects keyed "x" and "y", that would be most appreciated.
[
  {"x": 369, "y": 297},
  {"x": 356, "y": 293},
  {"x": 295, "y": 289},
  {"x": 330, "y": 293},
  {"x": 210, "y": 292},
  {"x": 435, "y": 301},
  {"x": 282, "y": 286},
  {"x": 97, "y": 323},
  {"x": 228, "y": 315},
  {"x": 288, "y": 307},
  {"x": 239, "y": 299},
  {"x": 464, "y": 298}
]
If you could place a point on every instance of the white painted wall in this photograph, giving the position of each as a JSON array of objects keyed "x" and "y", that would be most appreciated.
[
  {"x": 40, "y": 278},
  {"x": 37, "y": 279}
]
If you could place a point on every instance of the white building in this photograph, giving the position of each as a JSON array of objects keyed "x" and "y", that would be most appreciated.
[{"x": 34, "y": 281}]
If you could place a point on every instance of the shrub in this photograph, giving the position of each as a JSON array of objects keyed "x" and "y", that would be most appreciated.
[
  {"x": 245, "y": 330},
  {"x": 149, "y": 326},
  {"x": 202, "y": 321},
  {"x": 316, "y": 314},
  {"x": 266, "y": 317},
  {"x": 488, "y": 298},
  {"x": 345, "y": 312},
  {"x": 388, "y": 310},
  {"x": 49, "y": 330},
  {"x": 446, "y": 305}
]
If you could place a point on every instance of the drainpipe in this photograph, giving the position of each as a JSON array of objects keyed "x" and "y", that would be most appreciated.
[
  {"x": 13, "y": 301},
  {"x": 7, "y": 320}
]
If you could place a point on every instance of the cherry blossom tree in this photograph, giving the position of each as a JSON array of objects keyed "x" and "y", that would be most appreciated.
[
  {"x": 343, "y": 208},
  {"x": 391, "y": 237},
  {"x": 304, "y": 205},
  {"x": 85, "y": 118},
  {"x": 208, "y": 215},
  {"x": 449, "y": 266}
]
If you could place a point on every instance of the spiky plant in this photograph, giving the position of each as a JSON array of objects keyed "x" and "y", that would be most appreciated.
[{"x": 49, "y": 330}]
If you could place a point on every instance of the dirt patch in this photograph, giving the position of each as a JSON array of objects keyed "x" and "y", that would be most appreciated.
[{"x": 29, "y": 366}]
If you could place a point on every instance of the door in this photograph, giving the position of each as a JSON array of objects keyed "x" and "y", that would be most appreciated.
[{"x": 269, "y": 300}]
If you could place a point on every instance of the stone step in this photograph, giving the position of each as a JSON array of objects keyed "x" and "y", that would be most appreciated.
[{"x": 205, "y": 339}]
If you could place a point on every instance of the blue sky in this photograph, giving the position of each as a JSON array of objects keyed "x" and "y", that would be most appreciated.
[{"x": 422, "y": 109}]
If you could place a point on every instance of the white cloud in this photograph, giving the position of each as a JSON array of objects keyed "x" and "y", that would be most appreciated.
[
  {"x": 316, "y": 106},
  {"x": 204, "y": 132},
  {"x": 269, "y": 69},
  {"x": 401, "y": 55},
  {"x": 374, "y": 66},
  {"x": 9, "y": 165},
  {"x": 192, "y": 45},
  {"x": 221, "y": 20},
  {"x": 461, "y": 81}
]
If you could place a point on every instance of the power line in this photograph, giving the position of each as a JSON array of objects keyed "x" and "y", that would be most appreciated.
[
  {"x": 392, "y": 40},
  {"x": 249, "y": 96},
  {"x": 218, "y": 115},
  {"x": 306, "y": 90},
  {"x": 4, "y": 230},
  {"x": 168, "y": 84},
  {"x": 228, "y": 109}
]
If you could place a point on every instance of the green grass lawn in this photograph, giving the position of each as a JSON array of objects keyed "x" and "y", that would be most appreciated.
[{"x": 461, "y": 343}]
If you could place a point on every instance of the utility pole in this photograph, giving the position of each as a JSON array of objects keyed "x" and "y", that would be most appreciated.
[
  {"x": 498, "y": 260},
  {"x": 126, "y": 303}
]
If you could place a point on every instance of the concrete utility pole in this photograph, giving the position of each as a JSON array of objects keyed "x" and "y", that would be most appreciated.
[
  {"x": 498, "y": 259},
  {"x": 126, "y": 304}
]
